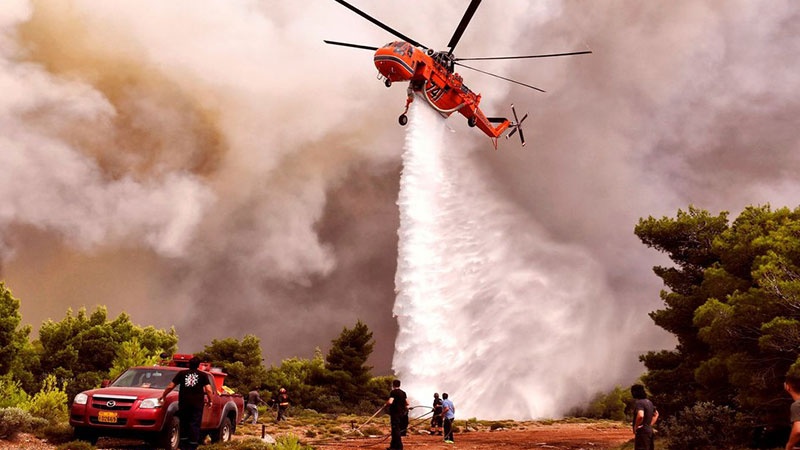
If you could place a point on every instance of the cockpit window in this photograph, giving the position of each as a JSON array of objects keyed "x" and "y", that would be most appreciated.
[{"x": 401, "y": 48}]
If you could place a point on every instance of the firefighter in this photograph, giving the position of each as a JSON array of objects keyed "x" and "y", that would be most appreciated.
[{"x": 283, "y": 404}]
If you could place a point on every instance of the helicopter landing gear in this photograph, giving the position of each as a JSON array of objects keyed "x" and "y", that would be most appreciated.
[
  {"x": 472, "y": 121},
  {"x": 387, "y": 82},
  {"x": 403, "y": 119}
]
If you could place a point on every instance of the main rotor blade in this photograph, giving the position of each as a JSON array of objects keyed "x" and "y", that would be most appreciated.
[
  {"x": 381, "y": 24},
  {"x": 489, "y": 58},
  {"x": 463, "y": 25},
  {"x": 502, "y": 78},
  {"x": 345, "y": 44}
]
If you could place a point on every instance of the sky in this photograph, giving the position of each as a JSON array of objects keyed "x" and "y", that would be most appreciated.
[{"x": 214, "y": 166}]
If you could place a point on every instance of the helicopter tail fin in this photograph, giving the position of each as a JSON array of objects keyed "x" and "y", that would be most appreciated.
[{"x": 516, "y": 126}]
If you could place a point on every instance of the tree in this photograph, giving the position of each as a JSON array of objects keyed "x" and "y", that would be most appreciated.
[
  {"x": 754, "y": 331},
  {"x": 688, "y": 241},
  {"x": 305, "y": 380},
  {"x": 346, "y": 362},
  {"x": 132, "y": 353},
  {"x": 242, "y": 361},
  {"x": 13, "y": 339},
  {"x": 82, "y": 348},
  {"x": 733, "y": 304}
]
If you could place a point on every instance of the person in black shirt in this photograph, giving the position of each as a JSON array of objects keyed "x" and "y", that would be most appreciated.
[
  {"x": 436, "y": 420},
  {"x": 398, "y": 413},
  {"x": 645, "y": 416},
  {"x": 194, "y": 386}
]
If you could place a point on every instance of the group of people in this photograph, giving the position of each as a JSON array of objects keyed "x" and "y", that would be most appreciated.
[
  {"x": 645, "y": 416},
  {"x": 254, "y": 399},
  {"x": 195, "y": 391},
  {"x": 444, "y": 413}
]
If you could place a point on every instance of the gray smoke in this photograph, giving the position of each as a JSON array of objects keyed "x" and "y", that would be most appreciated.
[{"x": 215, "y": 166}]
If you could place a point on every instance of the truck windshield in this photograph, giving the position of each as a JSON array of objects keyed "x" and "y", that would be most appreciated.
[{"x": 154, "y": 378}]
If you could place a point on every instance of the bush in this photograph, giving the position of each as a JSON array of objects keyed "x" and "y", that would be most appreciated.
[
  {"x": 290, "y": 442},
  {"x": 285, "y": 442},
  {"x": 372, "y": 431},
  {"x": 244, "y": 444},
  {"x": 50, "y": 403},
  {"x": 76, "y": 445},
  {"x": 610, "y": 405},
  {"x": 11, "y": 393},
  {"x": 55, "y": 433},
  {"x": 14, "y": 420},
  {"x": 704, "y": 426}
]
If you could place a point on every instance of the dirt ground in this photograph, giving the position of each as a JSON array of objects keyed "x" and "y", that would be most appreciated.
[
  {"x": 567, "y": 436},
  {"x": 523, "y": 436}
]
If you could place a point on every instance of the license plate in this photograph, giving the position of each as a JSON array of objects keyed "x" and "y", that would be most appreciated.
[{"x": 106, "y": 417}]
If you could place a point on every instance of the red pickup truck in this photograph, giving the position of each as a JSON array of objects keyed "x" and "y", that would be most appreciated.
[{"x": 128, "y": 407}]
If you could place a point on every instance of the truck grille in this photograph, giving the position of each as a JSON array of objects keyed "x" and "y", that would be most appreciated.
[{"x": 113, "y": 402}]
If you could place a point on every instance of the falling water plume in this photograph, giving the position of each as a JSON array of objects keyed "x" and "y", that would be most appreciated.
[{"x": 489, "y": 310}]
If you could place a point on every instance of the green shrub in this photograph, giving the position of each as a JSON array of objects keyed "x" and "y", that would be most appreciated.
[
  {"x": 11, "y": 393},
  {"x": 372, "y": 431},
  {"x": 55, "y": 433},
  {"x": 14, "y": 420},
  {"x": 49, "y": 403},
  {"x": 290, "y": 442},
  {"x": 704, "y": 426},
  {"x": 76, "y": 445},
  {"x": 500, "y": 425},
  {"x": 244, "y": 444}
]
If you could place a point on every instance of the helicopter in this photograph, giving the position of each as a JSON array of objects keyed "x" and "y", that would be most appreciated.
[{"x": 431, "y": 75}]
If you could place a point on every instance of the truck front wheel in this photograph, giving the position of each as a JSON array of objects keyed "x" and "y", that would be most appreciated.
[
  {"x": 224, "y": 433},
  {"x": 83, "y": 434},
  {"x": 170, "y": 437}
]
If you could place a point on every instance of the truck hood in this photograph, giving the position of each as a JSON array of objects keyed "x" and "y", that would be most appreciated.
[{"x": 138, "y": 392}]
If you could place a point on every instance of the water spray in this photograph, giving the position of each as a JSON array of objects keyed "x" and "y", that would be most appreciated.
[{"x": 488, "y": 309}]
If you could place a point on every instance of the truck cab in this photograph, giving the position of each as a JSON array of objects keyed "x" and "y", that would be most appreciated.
[{"x": 128, "y": 407}]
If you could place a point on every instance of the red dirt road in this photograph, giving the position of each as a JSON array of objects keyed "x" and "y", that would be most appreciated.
[
  {"x": 567, "y": 436},
  {"x": 523, "y": 436}
]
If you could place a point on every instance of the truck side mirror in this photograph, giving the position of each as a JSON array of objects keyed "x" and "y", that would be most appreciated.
[{"x": 105, "y": 383}]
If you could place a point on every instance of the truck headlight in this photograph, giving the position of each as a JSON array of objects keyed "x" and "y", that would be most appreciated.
[
  {"x": 150, "y": 403},
  {"x": 81, "y": 399}
]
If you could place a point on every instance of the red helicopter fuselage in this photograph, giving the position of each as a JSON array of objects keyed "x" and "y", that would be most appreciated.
[{"x": 430, "y": 75}]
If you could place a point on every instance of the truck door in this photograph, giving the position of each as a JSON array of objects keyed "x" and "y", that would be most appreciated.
[{"x": 212, "y": 414}]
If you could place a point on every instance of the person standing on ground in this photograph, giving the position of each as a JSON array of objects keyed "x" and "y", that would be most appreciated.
[
  {"x": 792, "y": 386},
  {"x": 398, "y": 410},
  {"x": 283, "y": 404},
  {"x": 194, "y": 386},
  {"x": 436, "y": 420},
  {"x": 253, "y": 400},
  {"x": 645, "y": 416},
  {"x": 449, "y": 415}
]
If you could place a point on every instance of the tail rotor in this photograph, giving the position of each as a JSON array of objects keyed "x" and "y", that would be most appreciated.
[{"x": 517, "y": 126}]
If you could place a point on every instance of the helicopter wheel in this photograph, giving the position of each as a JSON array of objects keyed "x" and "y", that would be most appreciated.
[
  {"x": 472, "y": 122},
  {"x": 387, "y": 82},
  {"x": 403, "y": 119}
]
